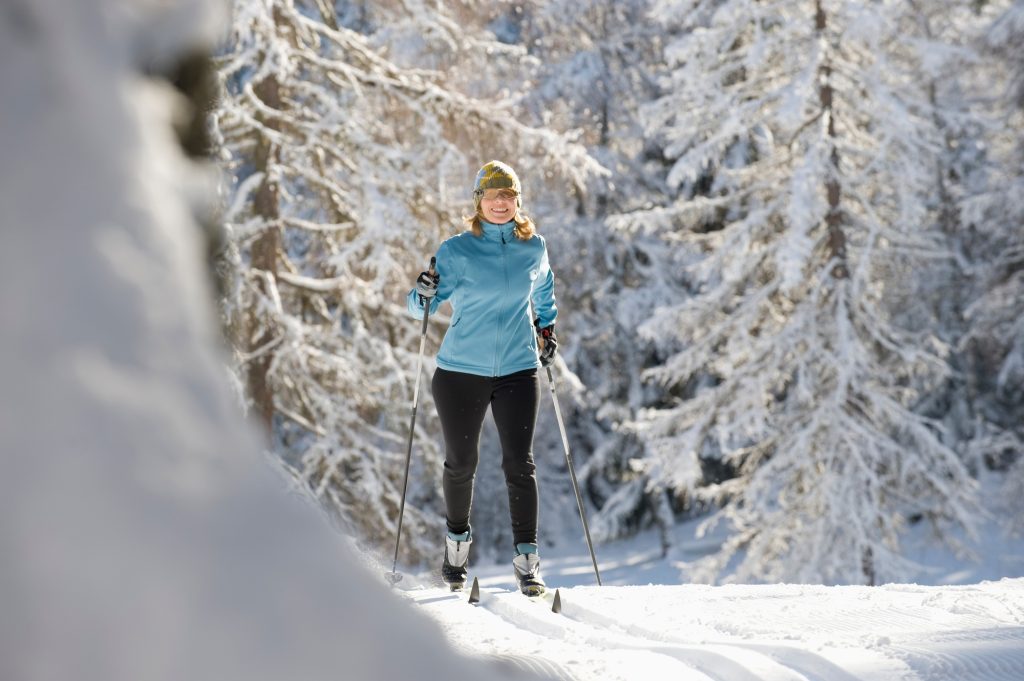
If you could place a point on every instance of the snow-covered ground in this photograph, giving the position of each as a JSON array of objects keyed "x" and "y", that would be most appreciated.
[
  {"x": 142, "y": 537},
  {"x": 644, "y": 625},
  {"x": 748, "y": 633}
]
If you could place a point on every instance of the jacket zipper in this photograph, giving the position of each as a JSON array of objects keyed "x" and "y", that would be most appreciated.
[{"x": 496, "y": 367}]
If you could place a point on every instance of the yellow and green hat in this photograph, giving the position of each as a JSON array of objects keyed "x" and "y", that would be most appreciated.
[{"x": 496, "y": 175}]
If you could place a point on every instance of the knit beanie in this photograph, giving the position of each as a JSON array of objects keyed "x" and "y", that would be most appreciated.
[{"x": 496, "y": 175}]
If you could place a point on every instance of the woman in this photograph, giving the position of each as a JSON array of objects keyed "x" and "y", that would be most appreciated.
[{"x": 501, "y": 289}]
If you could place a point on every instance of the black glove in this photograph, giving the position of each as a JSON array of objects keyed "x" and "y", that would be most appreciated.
[
  {"x": 548, "y": 344},
  {"x": 426, "y": 286}
]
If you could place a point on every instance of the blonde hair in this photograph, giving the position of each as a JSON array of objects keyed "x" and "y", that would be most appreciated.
[{"x": 524, "y": 230}]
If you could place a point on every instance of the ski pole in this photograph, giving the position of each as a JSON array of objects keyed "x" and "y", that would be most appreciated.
[
  {"x": 394, "y": 577},
  {"x": 572, "y": 474}
]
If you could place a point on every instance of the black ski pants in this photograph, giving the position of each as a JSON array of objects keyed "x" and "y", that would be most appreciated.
[{"x": 462, "y": 401}]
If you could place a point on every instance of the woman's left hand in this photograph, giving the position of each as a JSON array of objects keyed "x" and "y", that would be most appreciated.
[{"x": 548, "y": 343}]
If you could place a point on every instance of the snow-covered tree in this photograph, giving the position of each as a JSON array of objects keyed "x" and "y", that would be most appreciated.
[
  {"x": 946, "y": 38},
  {"x": 804, "y": 145},
  {"x": 350, "y": 150},
  {"x": 996, "y": 318}
]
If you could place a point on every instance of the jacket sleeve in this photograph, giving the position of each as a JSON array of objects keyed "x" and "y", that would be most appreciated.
[
  {"x": 543, "y": 294},
  {"x": 444, "y": 266}
]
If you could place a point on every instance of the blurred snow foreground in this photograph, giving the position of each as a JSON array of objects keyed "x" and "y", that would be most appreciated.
[{"x": 142, "y": 535}]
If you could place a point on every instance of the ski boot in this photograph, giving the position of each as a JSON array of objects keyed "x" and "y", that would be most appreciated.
[
  {"x": 456, "y": 558},
  {"x": 527, "y": 568}
]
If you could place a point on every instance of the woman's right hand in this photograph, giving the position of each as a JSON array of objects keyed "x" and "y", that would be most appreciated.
[{"x": 426, "y": 286}]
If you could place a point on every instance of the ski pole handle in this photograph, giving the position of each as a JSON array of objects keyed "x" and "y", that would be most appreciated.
[{"x": 426, "y": 308}]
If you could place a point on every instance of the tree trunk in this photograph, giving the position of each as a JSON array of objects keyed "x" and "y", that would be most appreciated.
[
  {"x": 833, "y": 190},
  {"x": 264, "y": 254},
  {"x": 867, "y": 563}
]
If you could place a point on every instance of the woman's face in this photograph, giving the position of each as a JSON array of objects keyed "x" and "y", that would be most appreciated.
[{"x": 498, "y": 206}]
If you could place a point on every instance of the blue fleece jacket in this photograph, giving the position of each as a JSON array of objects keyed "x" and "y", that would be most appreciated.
[{"x": 497, "y": 285}]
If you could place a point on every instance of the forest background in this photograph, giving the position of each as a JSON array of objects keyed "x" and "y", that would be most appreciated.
[{"x": 786, "y": 236}]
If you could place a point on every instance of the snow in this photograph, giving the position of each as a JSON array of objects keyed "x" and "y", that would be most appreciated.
[
  {"x": 644, "y": 625},
  {"x": 143, "y": 536}
]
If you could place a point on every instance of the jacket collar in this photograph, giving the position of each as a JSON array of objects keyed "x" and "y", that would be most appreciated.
[{"x": 502, "y": 233}]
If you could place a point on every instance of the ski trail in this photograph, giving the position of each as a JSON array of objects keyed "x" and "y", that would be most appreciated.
[
  {"x": 751, "y": 633},
  {"x": 716, "y": 662},
  {"x": 932, "y": 635},
  {"x": 512, "y": 642},
  {"x": 799, "y": 662},
  {"x": 980, "y": 655},
  {"x": 533, "y": 664}
]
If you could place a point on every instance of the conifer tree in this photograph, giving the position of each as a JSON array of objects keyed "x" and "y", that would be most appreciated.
[
  {"x": 804, "y": 146},
  {"x": 996, "y": 316}
]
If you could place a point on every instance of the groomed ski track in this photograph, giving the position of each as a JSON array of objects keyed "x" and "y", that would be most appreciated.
[{"x": 744, "y": 633}]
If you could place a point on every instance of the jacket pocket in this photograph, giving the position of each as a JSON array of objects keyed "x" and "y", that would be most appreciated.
[{"x": 451, "y": 340}]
